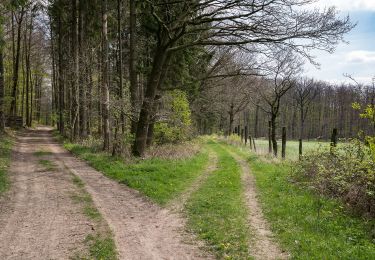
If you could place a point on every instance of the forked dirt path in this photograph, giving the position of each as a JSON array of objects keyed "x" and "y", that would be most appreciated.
[
  {"x": 142, "y": 229},
  {"x": 178, "y": 204},
  {"x": 263, "y": 246},
  {"x": 38, "y": 219}
]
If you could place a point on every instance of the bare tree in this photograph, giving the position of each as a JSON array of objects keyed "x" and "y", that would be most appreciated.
[
  {"x": 282, "y": 72},
  {"x": 304, "y": 94}
]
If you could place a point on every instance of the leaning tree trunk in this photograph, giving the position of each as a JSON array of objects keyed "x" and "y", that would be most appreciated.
[
  {"x": 160, "y": 60},
  {"x": 105, "y": 89}
]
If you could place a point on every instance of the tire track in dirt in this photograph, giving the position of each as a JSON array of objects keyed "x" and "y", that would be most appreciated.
[
  {"x": 38, "y": 219},
  {"x": 142, "y": 229},
  {"x": 178, "y": 204},
  {"x": 262, "y": 246}
]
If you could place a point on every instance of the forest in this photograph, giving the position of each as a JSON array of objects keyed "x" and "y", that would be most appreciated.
[{"x": 204, "y": 107}]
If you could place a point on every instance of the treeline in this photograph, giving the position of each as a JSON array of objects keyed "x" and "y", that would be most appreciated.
[
  {"x": 132, "y": 72},
  {"x": 329, "y": 106}
]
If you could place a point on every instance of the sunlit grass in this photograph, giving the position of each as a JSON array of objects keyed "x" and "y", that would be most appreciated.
[
  {"x": 301, "y": 228},
  {"x": 217, "y": 212},
  {"x": 159, "y": 179}
]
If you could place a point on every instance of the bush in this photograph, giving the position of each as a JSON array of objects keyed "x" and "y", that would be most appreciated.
[
  {"x": 346, "y": 172},
  {"x": 176, "y": 127}
]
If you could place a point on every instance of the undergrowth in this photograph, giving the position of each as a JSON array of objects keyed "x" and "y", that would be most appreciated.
[{"x": 6, "y": 143}]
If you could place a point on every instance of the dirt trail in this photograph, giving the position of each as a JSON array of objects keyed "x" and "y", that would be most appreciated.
[
  {"x": 177, "y": 205},
  {"x": 142, "y": 230},
  {"x": 38, "y": 219},
  {"x": 263, "y": 245}
]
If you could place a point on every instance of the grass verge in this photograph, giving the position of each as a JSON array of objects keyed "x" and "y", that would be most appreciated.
[
  {"x": 100, "y": 244},
  {"x": 308, "y": 226},
  {"x": 6, "y": 143},
  {"x": 216, "y": 211},
  {"x": 159, "y": 179}
]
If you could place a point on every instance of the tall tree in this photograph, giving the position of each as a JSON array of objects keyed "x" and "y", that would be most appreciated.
[
  {"x": 105, "y": 82},
  {"x": 19, "y": 20}
]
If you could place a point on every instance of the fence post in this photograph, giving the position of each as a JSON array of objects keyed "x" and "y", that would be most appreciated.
[
  {"x": 251, "y": 145},
  {"x": 334, "y": 138},
  {"x": 283, "y": 143},
  {"x": 241, "y": 136}
]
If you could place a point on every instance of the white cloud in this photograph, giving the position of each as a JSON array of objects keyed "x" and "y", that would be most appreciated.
[
  {"x": 362, "y": 57},
  {"x": 348, "y": 5}
]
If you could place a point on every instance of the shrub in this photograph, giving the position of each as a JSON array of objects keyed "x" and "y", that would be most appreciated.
[
  {"x": 176, "y": 127},
  {"x": 346, "y": 172}
]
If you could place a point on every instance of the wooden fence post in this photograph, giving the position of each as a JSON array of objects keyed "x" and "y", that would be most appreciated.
[
  {"x": 334, "y": 138},
  {"x": 283, "y": 143},
  {"x": 251, "y": 145},
  {"x": 241, "y": 135}
]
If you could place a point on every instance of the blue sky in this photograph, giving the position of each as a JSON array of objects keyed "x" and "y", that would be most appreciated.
[{"x": 356, "y": 58}]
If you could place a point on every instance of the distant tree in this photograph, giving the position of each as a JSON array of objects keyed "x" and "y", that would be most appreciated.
[
  {"x": 304, "y": 93},
  {"x": 282, "y": 72}
]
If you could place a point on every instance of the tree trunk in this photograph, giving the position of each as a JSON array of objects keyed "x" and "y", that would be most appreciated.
[
  {"x": 283, "y": 143},
  {"x": 13, "y": 105},
  {"x": 120, "y": 66},
  {"x": 132, "y": 71},
  {"x": 273, "y": 134},
  {"x": 231, "y": 119},
  {"x": 75, "y": 77},
  {"x": 301, "y": 130},
  {"x": 269, "y": 137},
  {"x": 28, "y": 74},
  {"x": 2, "y": 87},
  {"x": 256, "y": 122},
  {"x": 60, "y": 79},
  {"x": 160, "y": 60},
  {"x": 82, "y": 76},
  {"x": 106, "y": 134}
]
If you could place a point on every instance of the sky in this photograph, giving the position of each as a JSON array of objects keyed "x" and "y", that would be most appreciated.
[{"x": 356, "y": 58}]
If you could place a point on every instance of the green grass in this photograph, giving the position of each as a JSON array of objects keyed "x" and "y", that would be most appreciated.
[
  {"x": 217, "y": 211},
  {"x": 293, "y": 214},
  {"x": 100, "y": 244},
  {"x": 101, "y": 247},
  {"x": 6, "y": 143},
  {"x": 83, "y": 197},
  {"x": 291, "y": 146},
  {"x": 42, "y": 153},
  {"x": 47, "y": 164},
  {"x": 161, "y": 180}
]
